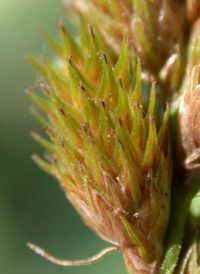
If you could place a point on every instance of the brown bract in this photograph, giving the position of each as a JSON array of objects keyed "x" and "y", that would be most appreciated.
[
  {"x": 193, "y": 9},
  {"x": 189, "y": 117},
  {"x": 189, "y": 121}
]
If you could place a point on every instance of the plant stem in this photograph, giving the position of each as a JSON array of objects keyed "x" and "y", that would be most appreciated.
[{"x": 180, "y": 206}]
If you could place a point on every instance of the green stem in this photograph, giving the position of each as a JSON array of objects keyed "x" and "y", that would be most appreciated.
[
  {"x": 180, "y": 206},
  {"x": 176, "y": 230}
]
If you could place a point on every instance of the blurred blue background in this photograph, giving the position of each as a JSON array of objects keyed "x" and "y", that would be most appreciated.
[{"x": 32, "y": 206}]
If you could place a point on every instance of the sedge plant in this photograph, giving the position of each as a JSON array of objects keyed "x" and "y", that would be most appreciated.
[{"x": 121, "y": 112}]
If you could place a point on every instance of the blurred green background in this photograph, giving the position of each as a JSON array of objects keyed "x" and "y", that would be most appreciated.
[{"x": 32, "y": 206}]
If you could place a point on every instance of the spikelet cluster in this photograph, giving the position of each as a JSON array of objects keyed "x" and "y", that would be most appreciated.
[
  {"x": 108, "y": 139},
  {"x": 107, "y": 148}
]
